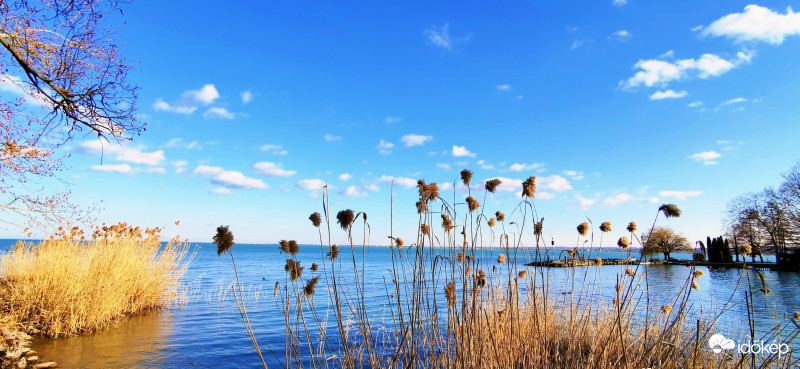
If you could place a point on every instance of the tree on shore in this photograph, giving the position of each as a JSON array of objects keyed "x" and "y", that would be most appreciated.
[
  {"x": 665, "y": 241},
  {"x": 60, "y": 75}
]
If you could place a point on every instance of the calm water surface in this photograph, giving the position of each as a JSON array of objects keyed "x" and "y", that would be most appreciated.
[{"x": 207, "y": 331}]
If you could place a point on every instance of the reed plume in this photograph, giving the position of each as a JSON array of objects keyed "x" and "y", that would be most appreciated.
[
  {"x": 311, "y": 285},
  {"x": 583, "y": 228},
  {"x": 666, "y": 309},
  {"x": 698, "y": 273},
  {"x": 501, "y": 258},
  {"x": 399, "y": 242},
  {"x": 605, "y": 227},
  {"x": 480, "y": 278},
  {"x": 315, "y": 219},
  {"x": 466, "y": 176},
  {"x": 630, "y": 272},
  {"x": 670, "y": 210},
  {"x": 796, "y": 315},
  {"x": 747, "y": 249},
  {"x": 632, "y": 227},
  {"x": 473, "y": 204},
  {"x": 345, "y": 218},
  {"x": 450, "y": 293},
  {"x": 447, "y": 223},
  {"x": 538, "y": 227},
  {"x": 334, "y": 253},
  {"x": 421, "y": 206},
  {"x": 695, "y": 285},
  {"x": 491, "y": 185},
  {"x": 522, "y": 274},
  {"x": 500, "y": 216},
  {"x": 529, "y": 187},
  {"x": 623, "y": 242},
  {"x": 223, "y": 239},
  {"x": 425, "y": 229},
  {"x": 293, "y": 268},
  {"x": 314, "y": 267},
  {"x": 599, "y": 261},
  {"x": 460, "y": 256},
  {"x": 491, "y": 222},
  {"x": 427, "y": 192}
]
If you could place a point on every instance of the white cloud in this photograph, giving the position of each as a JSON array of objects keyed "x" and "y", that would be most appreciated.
[
  {"x": 268, "y": 169},
  {"x": 655, "y": 72},
  {"x": 517, "y": 167},
  {"x": 696, "y": 28},
  {"x": 352, "y": 191},
  {"x": 205, "y": 170},
  {"x": 218, "y": 112},
  {"x": 554, "y": 182},
  {"x": 462, "y": 151},
  {"x": 680, "y": 195},
  {"x": 390, "y": 119},
  {"x": 545, "y": 195},
  {"x": 503, "y": 87},
  {"x": 345, "y": 176},
  {"x": 756, "y": 23},
  {"x": 621, "y": 35},
  {"x": 707, "y": 157},
  {"x": 574, "y": 174},
  {"x": 234, "y": 179},
  {"x": 179, "y": 143},
  {"x": 274, "y": 149},
  {"x": 122, "y": 153},
  {"x": 415, "y": 140},
  {"x": 576, "y": 44},
  {"x": 619, "y": 2},
  {"x": 439, "y": 36},
  {"x": 247, "y": 97},
  {"x": 617, "y": 199},
  {"x": 221, "y": 191},
  {"x": 443, "y": 166},
  {"x": 205, "y": 95},
  {"x": 151, "y": 170},
  {"x": 385, "y": 148},
  {"x": 330, "y": 138},
  {"x": 400, "y": 181},
  {"x": 119, "y": 168},
  {"x": 14, "y": 85},
  {"x": 668, "y": 94},
  {"x": 161, "y": 105},
  {"x": 735, "y": 101},
  {"x": 695, "y": 104},
  {"x": 372, "y": 187},
  {"x": 310, "y": 184},
  {"x": 583, "y": 202}
]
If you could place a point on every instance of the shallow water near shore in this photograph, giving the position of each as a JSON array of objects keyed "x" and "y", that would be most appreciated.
[{"x": 207, "y": 331}]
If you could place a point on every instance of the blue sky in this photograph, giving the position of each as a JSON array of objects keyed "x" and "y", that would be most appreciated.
[{"x": 615, "y": 106}]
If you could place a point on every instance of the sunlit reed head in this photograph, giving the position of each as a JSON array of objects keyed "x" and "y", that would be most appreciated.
[
  {"x": 460, "y": 256},
  {"x": 480, "y": 278},
  {"x": 308, "y": 290},
  {"x": 605, "y": 227},
  {"x": 421, "y": 206},
  {"x": 797, "y": 315},
  {"x": 571, "y": 253},
  {"x": 698, "y": 273},
  {"x": 670, "y": 210},
  {"x": 529, "y": 187},
  {"x": 450, "y": 293},
  {"x": 427, "y": 192},
  {"x": 666, "y": 309},
  {"x": 425, "y": 229},
  {"x": 491, "y": 222},
  {"x": 623, "y": 242},
  {"x": 314, "y": 267},
  {"x": 473, "y": 204},
  {"x": 630, "y": 272},
  {"x": 345, "y": 218},
  {"x": 501, "y": 258},
  {"x": 334, "y": 253},
  {"x": 747, "y": 249},
  {"x": 223, "y": 239},
  {"x": 538, "y": 227},
  {"x": 466, "y": 176},
  {"x": 294, "y": 269},
  {"x": 599, "y": 261},
  {"x": 522, "y": 274},
  {"x": 491, "y": 185},
  {"x": 632, "y": 227},
  {"x": 315, "y": 219},
  {"x": 447, "y": 223},
  {"x": 583, "y": 228},
  {"x": 398, "y": 242},
  {"x": 500, "y": 216},
  {"x": 695, "y": 285}
]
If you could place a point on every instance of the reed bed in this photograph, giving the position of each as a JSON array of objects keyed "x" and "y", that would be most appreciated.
[
  {"x": 447, "y": 304},
  {"x": 70, "y": 285}
]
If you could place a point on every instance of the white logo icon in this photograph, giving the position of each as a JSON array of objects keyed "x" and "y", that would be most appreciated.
[{"x": 718, "y": 342}]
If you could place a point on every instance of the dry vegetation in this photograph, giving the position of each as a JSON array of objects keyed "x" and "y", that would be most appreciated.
[{"x": 68, "y": 285}]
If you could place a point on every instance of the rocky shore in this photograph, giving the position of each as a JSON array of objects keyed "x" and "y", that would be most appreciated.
[{"x": 15, "y": 352}]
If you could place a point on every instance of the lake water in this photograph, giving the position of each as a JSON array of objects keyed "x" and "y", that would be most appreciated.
[{"x": 207, "y": 331}]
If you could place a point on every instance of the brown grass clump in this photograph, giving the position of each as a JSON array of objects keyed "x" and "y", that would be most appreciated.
[
  {"x": 501, "y": 258},
  {"x": 491, "y": 185},
  {"x": 500, "y": 216},
  {"x": 425, "y": 229},
  {"x": 473, "y": 204},
  {"x": 294, "y": 269},
  {"x": 583, "y": 228},
  {"x": 223, "y": 239},
  {"x": 67, "y": 286},
  {"x": 632, "y": 227},
  {"x": 447, "y": 223},
  {"x": 529, "y": 187},
  {"x": 311, "y": 286},
  {"x": 345, "y": 218},
  {"x": 466, "y": 176},
  {"x": 605, "y": 227},
  {"x": 623, "y": 242},
  {"x": 315, "y": 219},
  {"x": 670, "y": 210},
  {"x": 491, "y": 222}
]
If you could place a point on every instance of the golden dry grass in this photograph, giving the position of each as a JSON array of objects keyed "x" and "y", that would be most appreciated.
[{"x": 67, "y": 286}]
